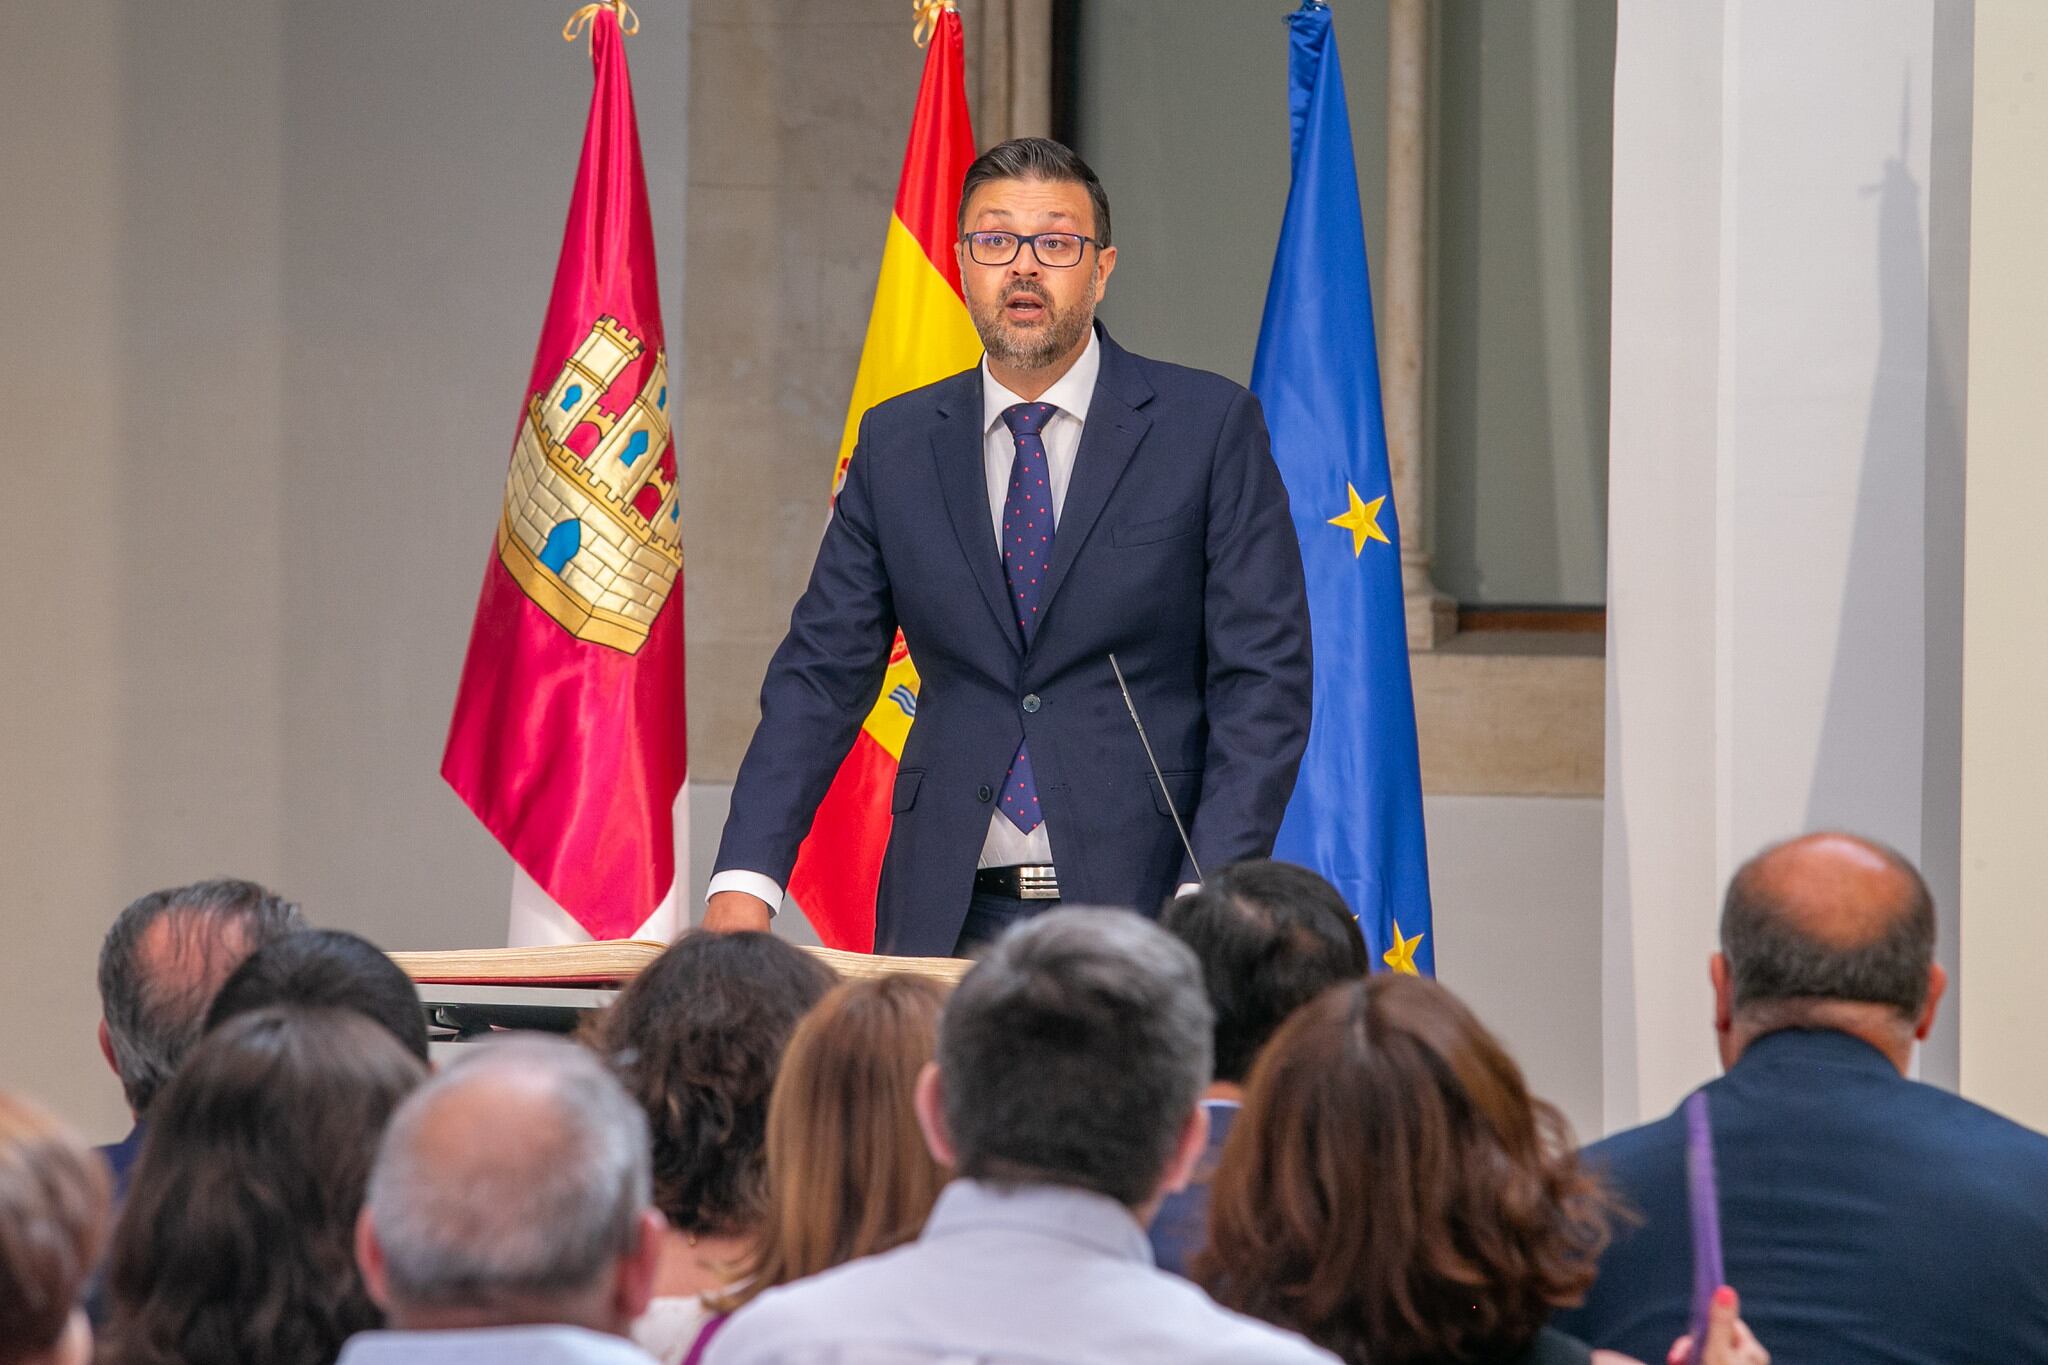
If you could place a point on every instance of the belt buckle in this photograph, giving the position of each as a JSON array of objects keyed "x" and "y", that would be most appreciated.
[{"x": 1037, "y": 883}]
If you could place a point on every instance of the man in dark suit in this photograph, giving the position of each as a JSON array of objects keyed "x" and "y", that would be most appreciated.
[
  {"x": 1019, "y": 522},
  {"x": 1864, "y": 1216},
  {"x": 1270, "y": 937}
]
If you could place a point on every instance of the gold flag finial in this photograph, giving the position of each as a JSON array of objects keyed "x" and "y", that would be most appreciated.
[
  {"x": 580, "y": 22},
  {"x": 928, "y": 12}
]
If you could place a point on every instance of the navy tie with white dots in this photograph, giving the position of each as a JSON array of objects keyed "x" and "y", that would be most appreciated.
[{"x": 1027, "y": 550}]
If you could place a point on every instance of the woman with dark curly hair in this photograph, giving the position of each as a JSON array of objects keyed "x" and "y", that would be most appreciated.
[
  {"x": 236, "y": 1245},
  {"x": 1394, "y": 1193},
  {"x": 697, "y": 1037}
]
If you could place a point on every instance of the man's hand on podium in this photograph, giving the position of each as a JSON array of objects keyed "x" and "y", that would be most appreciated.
[{"x": 730, "y": 912}]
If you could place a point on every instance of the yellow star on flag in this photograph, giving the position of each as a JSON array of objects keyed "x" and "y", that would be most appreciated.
[
  {"x": 1401, "y": 957},
  {"x": 1362, "y": 520}
]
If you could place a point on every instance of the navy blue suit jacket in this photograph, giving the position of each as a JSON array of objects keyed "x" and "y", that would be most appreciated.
[
  {"x": 1864, "y": 1217},
  {"x": 1175, "y": 549},
  {"x": 1181, "y": 1227}
]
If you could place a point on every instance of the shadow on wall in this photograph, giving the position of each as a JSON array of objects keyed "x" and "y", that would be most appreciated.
[{"x": 1863, "y": 757}]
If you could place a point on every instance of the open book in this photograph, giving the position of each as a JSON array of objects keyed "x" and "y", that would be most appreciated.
[{"x": 616, "y": 960}]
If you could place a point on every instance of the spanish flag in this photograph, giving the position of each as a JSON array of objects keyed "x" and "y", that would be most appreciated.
[{"x": 919, "y": 332}]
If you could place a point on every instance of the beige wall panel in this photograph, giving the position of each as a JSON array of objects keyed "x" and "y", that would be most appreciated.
[{"x": 2005, "y": 652}]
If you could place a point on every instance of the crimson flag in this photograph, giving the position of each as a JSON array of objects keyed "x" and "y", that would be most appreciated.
[{"x": 568, "y": 737}]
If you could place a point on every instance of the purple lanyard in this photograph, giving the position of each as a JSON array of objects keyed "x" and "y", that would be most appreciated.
[
  {"x": 1704, "y": 1202},
  {"x": 703, "y": 1341}
]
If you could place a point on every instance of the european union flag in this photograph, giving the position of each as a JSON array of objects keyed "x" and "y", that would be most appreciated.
[{"x": 1356, "y": 815}]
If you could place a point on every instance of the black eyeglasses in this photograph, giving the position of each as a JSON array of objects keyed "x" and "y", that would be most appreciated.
[{"x": 1056, "y": 249}]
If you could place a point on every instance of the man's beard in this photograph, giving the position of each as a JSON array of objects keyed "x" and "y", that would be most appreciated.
[{"x": 1062, "y": 332}]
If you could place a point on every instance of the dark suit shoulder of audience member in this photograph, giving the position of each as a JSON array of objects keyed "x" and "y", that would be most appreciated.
[
  {"x": 235, "y": 1247},
  {"x": 54, "y": 1201},
  {"x": 326, "y": 967},
  {"x": 1864, "y": 1216},
  {"x": 1270, "y": 936}
]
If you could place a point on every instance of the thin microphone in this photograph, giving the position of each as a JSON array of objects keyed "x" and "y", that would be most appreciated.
[{"x": 1157, "y": 776}]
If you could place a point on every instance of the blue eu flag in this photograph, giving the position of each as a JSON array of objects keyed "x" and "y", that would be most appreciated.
[{"x": 1356, "y": 815}]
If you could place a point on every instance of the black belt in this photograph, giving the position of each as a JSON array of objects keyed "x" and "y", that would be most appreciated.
[{"x": 1030, "y": 882}]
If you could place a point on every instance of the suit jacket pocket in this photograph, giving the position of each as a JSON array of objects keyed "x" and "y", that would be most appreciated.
[
  {"x": 1187, "y": 521},
  {"x": 905, "y": 795},
  {"x": 1186, "y": 788}
]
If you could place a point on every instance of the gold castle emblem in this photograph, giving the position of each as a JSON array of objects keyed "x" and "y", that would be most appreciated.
[{"x": 591, "y": 529}]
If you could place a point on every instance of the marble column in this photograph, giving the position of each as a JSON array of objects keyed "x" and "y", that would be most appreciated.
[
  {"x": 2004, "y": 650},
  {"x": 1404, "y": 315},
  {"x": 1782, "y": 480},
  {"x": 1009, "y": 53}
]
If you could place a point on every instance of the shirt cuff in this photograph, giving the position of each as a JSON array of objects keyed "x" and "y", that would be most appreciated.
[
  {"x": 1186, "y": 889},
  {"x": 753, "y": 883}
]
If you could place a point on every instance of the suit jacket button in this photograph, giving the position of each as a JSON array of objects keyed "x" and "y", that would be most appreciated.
[
  {"x": 1031, "y": 702},
  {"x": 984, "y": 793}
]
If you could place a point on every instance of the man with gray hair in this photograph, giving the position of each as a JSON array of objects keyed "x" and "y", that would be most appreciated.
[
  {"x": 1064, "y": 1097},
  {"x": 160, "y": 966},
  {"x": 509, "y": 1216},
  {"x": 1864, "y": 1216}
]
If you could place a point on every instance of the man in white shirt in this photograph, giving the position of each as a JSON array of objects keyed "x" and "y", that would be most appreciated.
[
  {"x": 509, "y": 1216},
  {"x": 1020, "y": 522},
  {"x": 1064, "y": 1095}
]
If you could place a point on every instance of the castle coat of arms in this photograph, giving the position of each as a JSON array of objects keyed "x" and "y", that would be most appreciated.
[{"x": 591, "y": 529}]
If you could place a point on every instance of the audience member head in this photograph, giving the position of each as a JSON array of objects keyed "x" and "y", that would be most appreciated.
[
  {"x": 1827, "y": 931},
  {"x": 1270, "y": 937},
  {"x": 160, "y": 965},
  {"x": 53, "y": 1218},
  {"x": 848, "y": 1171},
  {"x": 513, "y": 1188},
  {"x": 1074, "y": 1054},
  {"x": 326, "y": 967},
  {"x": 696, "y": 1038},
  {"x": 236, "y": 1241},
  {"x": 1393, "y": 1192}
]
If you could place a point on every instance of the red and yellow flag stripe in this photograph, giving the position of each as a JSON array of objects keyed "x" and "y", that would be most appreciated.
[{"x": 919, "y": 332}]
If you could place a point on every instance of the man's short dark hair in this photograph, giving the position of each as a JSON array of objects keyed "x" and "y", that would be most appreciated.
[
  {"x": 154, "y": 1018},
  {"x": 1036, "y": 158},
  {"x": 1772, "y": 957},
  {"x": 1074, "y": 1054},
  {"x": 326, "y": 967},
  {"x": 1270, "y": 937}
]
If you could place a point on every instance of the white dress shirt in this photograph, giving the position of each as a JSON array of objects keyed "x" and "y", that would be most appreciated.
[
  {"x": 1005, "y": 844},
  {"x": 1034, "y": 1275},
  {"x": 534, "y": 1345}
]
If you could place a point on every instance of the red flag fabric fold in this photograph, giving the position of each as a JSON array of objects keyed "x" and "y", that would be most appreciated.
[{"x": 568, "y": 737}]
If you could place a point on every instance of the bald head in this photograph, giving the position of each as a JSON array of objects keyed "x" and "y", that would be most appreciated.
[
  {"x": 510, "y": 1188},
  {"x": 1828, "y": 917}
]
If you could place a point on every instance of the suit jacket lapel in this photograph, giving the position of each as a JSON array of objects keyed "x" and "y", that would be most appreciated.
[
  {"x": 1110, "y": 438},
  {"x": 957, "y": 450}
]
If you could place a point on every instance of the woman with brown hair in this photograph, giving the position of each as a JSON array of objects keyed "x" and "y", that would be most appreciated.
[
  {"x": 1394, "y": 1193},
  {"x": 697, "y": 1038},
  {"x": 236, "y": 1246},
  {"x": 53, "y": 1218},
  {"x": 848, "y": 1171}
]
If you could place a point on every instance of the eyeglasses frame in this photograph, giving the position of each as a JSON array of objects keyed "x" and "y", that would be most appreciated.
[{"x": 966, "y": 240}]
